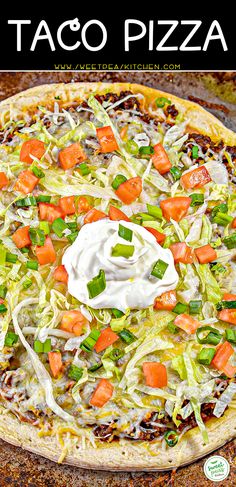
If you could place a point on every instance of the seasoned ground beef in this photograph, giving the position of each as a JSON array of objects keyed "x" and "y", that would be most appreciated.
[
  {"x": 104, "y": 432},
  {"x": 172, "y": 111},
  {"x": 130, "y": 104}
]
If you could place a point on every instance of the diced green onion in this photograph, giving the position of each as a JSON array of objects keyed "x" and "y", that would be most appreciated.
[
  {"x": 3, "y": 291},
  {"x": 154, "y": 211},
  {"x": 43, "y": 198},
  {"x": 145, "y": 217},
  {"x": 127, "y": 336},
  {"x": 116, "y": 354},
  {"x": 75, "y": 373},
  {"x": 226, "y": 305},
  {"x": 45, "y": 227},
  {"x": 84, "y": 169},
  {"x": 10, "y": 339},
  {"x": 72, "y": 226},
  {"x": 161, "y": 101},
  {"x": 230, "y": 242},
  {"x": 230, "y": 335},
  {"x": 25, "y": 250},
  {"x": 121, "y": 250},
  {"x": 195, "y": 307},
  {"x": 27, "y": 201},
  {"x": 206, "y": 355},
  {"x": 125, "y": 233},
  {"x": 32, "y": 264},
  {"x": 42, "y": 347},
  {"x": 119, "y": 179},
  {"x": 218, "y": 269},
  {"x": 3, "y": 308},
  {"x": 197, "y": 199},
  {"x": 95, "y": 367},
  {"x": 37, "y": 172},
  {"x": 176, "y": 173},
  {"x": 146, "y": 150},
  {"x": 180, "y": 308},
  {"x": 38, "y": 346},
  {"x": 159, "y": 269},
  {"x": 58, "y": 227},
  {"x": 72, "y": 237},
  {"x": 213, "y": 337},
  {"x": 47, "y": 345},
  {"x": 12, "y": 258},
  {"x": 88, "y": 344},
  {"x": 222, "y": 219},
  {"x": 171, "y": 438},
  {"x": 27, "y": 283},
  {"x": 195, "y": 152},
  {"x": 222, "y": 208},
  {"x": 97, "y": 285},
  {"x": 172, "y": 328},
  {"x": 117, "y": 313},
  {"x": 37, "y": 236},
  {"x": 132, "y": 147},
  {"x": 136, "y": 219}
]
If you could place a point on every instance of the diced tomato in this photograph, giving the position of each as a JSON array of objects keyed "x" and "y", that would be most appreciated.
[
  {"x": 3, "y": 180},
  {"x": 182, "y": 253},
  {"x": 60, "y": 274},
  {"x": 50, "y": 212},
  {"x": 233, "y": 224},
  {"x": 196, "y": 178},
  {"x": 166, "y": 301},
  {"x": 73, "y": 322},
  {"x": 107, "y": 338},
  {"x": 46, "y": 253},
  {"x": 26, "y": 182},
  {"x": 83, "y": 205},
  {"x": 160, "y": 237},
  {"x": 21, "y": 237},
  {"x": 1, "y": 301},
  {"x": 102, "y": 393},
  {"x": 130, "y": 190},
  {"x": 175, "y": 208},
  {"x": 94, "y": 215},
  {"x": 222, "y": 356},
  {"x": 155, "y": 374},
  {"x": 229, "y": 370},
  {"x": 55, "y": 362},
  {"x": 117, "y": 215},
  {"x": 228, "y": 315},
  {"x": 206, "y": 254},
  {"x": 187, "y": 323},
  {"x": 107, "y": 139},
  {"x": 71, "y": 155},
  {"x": 67, "y": 204},
  {"x": 32, "y": 147},
  {"x": 229, "y": 297},
  {"x": 160, "y": 159}
]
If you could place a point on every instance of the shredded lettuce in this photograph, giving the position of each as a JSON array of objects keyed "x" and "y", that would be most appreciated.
[
  {"x": 208, "y": 283},
  {"x": 224, "y": 400},
  {"x": 43, "y": 376}
]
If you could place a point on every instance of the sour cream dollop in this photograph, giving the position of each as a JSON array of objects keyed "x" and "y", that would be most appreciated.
[{"x": 129, "y": 283}]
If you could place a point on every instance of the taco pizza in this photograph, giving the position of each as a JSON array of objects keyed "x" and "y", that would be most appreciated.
[{"x": 117, "y": 276}]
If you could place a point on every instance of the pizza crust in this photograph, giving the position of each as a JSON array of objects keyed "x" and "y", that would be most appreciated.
[
  {"x": 25, "y": 103},
  {"x": 125, "y": 455}
]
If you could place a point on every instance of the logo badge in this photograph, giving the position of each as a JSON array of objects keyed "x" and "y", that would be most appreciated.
[{"x": 216, "y": 468}]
